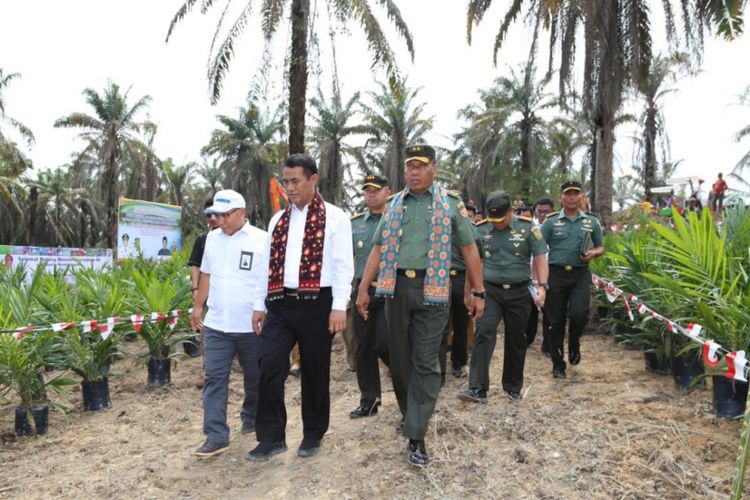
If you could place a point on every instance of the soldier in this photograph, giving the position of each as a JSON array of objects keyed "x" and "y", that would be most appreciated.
[
  {"x": 574, "y": 238},
  {"x": 458, "y": 319},
  {"x": 371, "y": 335},
  {"x": 507, "y": 244},
  {"x": 411, "y": 258},
  {"x": 542, "y": 208}
]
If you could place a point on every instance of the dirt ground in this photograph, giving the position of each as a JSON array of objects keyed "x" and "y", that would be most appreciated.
[{"x": 610, "y": 429}]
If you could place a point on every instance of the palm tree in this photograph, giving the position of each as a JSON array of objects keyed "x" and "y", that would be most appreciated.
[
  {"x": 248, "y": 149},
  {"x": 12, "y": 158},
  {"x": 522, "y": 99},
  {"x": 626, "y": 190},
  {"x": 393, "y": 121},
  {"x": 330, "y": 128},
  {"x": 617, "y": 52},
  {"x": 272, "y": 11},
  {"x": 565, "y": 137},
  {"x": 211, "y": 172},
  {"x": 738, "y": 172},
  {"x": 58, "y": 205},
  {"x": 652, "y": 89},
  {"x": 111, "y": 134}
]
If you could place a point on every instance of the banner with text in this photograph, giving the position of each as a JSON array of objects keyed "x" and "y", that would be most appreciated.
[
  {"x": 55, "y": 258},
  {"x": 148, "y": 229}
]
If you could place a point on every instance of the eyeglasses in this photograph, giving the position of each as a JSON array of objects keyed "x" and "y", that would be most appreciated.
[{"x": 225, "y": 215}]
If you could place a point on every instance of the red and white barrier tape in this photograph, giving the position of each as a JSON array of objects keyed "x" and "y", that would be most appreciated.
[
  {"x": 105, "y": 327},
  {"x": 737, "y": 366}
]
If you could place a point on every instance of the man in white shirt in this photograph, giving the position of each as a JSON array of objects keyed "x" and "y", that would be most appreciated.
[
  {"x": 701, "y": 194},
  {"x": 230, "y": 273},
  {"x": 309, "y": 266}
]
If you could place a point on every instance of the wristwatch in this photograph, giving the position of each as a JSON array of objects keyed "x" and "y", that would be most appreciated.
[
  {"x": 479, "y": 295},
  {"x": 543, "y": 285}
]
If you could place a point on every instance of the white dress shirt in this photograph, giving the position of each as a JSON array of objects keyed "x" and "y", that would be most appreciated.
[
  {"x": 338, "y": 256},
  {"x": 235, "y": 264}
]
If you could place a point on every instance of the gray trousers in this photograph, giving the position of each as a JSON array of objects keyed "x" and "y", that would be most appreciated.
[
  {"x": 219, "y": 350},
  {"x": 415, "y": 331}
]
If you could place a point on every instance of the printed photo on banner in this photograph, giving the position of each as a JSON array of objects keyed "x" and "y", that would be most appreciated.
[{"x": 148, "y": 229}]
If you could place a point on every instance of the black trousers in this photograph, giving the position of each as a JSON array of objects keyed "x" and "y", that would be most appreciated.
[
  {"x": 291, "y": 320},
  {"x": 532, "y": 327},
  {"x": 372, "y": 343},
  {"x": 512, "y": 307},
  {"x": 459, "y": 319},
  {"x": 568, "y": 297}
]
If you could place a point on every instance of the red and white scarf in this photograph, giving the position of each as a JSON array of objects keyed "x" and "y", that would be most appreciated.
[{"x": 311, "y": 263}]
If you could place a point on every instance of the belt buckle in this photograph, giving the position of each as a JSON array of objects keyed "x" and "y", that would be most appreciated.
[
  {"x": 453, "y": 272},
  {"x": 410, "y": 273},
  {"x": 569, "y": 268},
  {"x": 506, "y": 286}
]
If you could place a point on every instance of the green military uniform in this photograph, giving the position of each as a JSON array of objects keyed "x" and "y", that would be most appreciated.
[
  {"x": 506, "y": 256},
  {"x": 569, "y": 278},
  {"x": 415, "y": 329},
  {"x": 458, "y": 317},
  {"x": 371, "y": 335}
]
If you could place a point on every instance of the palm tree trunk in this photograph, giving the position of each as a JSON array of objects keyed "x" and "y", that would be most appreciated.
[
  {"x": 83, "y": 228},
  {"x": 593, "y": 148},
  {"x": 649, "y": 146},
  {"x": 525, "y": 159},
  {"x": 609, "y": 96},
  {"x": 150, "y": 179},
  {"x": 298, "y": 76},
  {"x": 33, "y": 201},
  {"x": 111, "y": 181}
]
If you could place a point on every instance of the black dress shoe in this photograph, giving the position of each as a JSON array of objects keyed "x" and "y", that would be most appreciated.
[
  {"x": 559, "y": 373},
  {"x": 459, "y": 372},
  {"x": 472, "y": 395},
  {"x": 265, "y": 450},
  {"x": 365, "y": 410},
  {"x": 514, "y": 396},
  {"x": 308, "y": 447},
  {"x": 574, "y": 356},
  {"x": 209, "y": 449},
  {"x": 417, "y": 452}
]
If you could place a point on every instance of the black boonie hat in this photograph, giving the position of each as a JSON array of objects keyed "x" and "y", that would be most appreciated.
[
  {"x": 376, "y": 181},
  {"x": 497, "y": 205},
  {"x": 419, "y": 152},
  {"x": 568, "y": 185}
]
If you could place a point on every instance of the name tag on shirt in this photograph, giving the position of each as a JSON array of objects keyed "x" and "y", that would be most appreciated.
[{"x": 246, "y": 260}]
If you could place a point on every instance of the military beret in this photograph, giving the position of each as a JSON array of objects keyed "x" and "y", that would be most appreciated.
[{"x": 419, "y": 152}]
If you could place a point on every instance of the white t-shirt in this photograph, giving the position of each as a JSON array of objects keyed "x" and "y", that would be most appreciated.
[
  {"x": 338, "y": 255},
  {"x": 234, "y": 263}
]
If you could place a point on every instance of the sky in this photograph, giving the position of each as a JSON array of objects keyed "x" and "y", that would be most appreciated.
[{"x": 60, "y": 48}]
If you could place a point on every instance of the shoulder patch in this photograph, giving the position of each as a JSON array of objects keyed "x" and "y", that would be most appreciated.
[
  {"x": 481, "y": 222},
  {"x": 357, "y": 216},
  {"x": 553, "y": 214},
  {"x": 525, "y": 219},
  {"x": 455, "y": 194}
]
